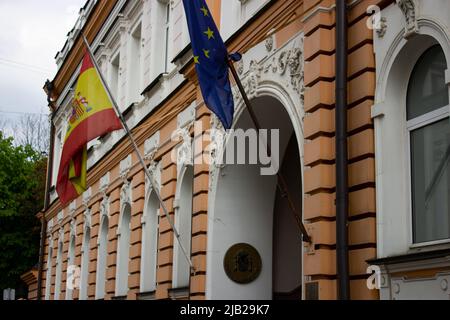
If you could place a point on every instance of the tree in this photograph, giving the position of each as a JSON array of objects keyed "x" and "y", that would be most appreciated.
[
  {"x": 22, "y": 184},
  {"x": 33, "y": 130},
  {"x": 28, "y": 129}
]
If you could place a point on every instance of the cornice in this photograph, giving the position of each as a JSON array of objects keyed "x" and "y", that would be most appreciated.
[{"x": 91, "y": 28}]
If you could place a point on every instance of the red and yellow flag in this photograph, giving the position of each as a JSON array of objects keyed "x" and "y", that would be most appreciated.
[{"x": 92, "y": 116}]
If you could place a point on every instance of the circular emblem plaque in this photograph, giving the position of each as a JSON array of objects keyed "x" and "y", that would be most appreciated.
[{"x": 242, "y": 263}]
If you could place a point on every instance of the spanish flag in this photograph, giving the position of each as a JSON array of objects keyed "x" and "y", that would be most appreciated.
[{"x": 92, "y": 116}]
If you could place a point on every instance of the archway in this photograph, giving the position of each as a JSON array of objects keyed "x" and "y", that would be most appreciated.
[{"x": 247, "y": 208}]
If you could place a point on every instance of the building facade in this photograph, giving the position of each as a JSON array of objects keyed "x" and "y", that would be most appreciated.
[{"x": 114, "y": 242}]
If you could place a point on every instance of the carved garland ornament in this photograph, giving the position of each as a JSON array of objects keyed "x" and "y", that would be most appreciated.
[{"x": 409, "y": 10}]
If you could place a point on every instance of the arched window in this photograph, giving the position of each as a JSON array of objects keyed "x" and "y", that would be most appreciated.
[
  {"x": 150, "y": 223},
  {"x": 48, "y": 275},
  {"x": 85, "y": 264},
  {"x": 183, "y": 222},
  {"x": 429, "y": 133},
  {"x": 58, "y": 270},
  {"x": 123, "y": 252},
  {"x": 101, "y": 259},
  {"x": 70, "y": 271}
]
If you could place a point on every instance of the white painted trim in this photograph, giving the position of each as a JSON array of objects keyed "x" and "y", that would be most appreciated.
[
  {"x": 181, "y": 179},
  {"x": 145, "y": 219},
  {"x": 275, "y": 87},
  {"x": 428, "y": 118},
  {"x": 396, "y": 67}
]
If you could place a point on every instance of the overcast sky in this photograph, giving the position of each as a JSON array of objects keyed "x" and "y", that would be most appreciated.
[{"x": 31, "y": 33}]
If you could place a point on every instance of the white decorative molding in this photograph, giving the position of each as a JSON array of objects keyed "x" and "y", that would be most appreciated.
[
  {"x": 125, "y": 193},
  {"x": 60, "y": 216},
  {"x": 72, "y": 228},
  {"x": 404, "y": 288},
  {"x": 61, "y": 235},
  {"x": 218, "y": 140},
  {"x": 251, "y": 82},
  {"x": 409, "y": 9},
  {"x": 286, "y": 62},
  {"x": 155, "y": 171},
  {"x": 72, "y": 209},
  {"x": 269, "y": 43},
  {"x": 186, "y": 117},
  {"x": 381, "y": 31},
  {"x": 125, "y": 166},
  {"x": 104, "y": 183},
  {"x": 87, "y": 218},
  {"x": 87, "y": 195},
  {"x": 73, "y": 34},
  {"x": 50, "y": 225},
  {"x": 185, "y": 156},
  {"x": 296, "y": 72},
  {"x": 151, "y": 146},
  {"x": 104, "y": 208},
  {"x": 282, "y": 68}
]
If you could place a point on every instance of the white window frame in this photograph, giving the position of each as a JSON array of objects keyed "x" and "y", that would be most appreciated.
[
  {"x": 180, "y": 215},
  {"x": 116, "y": 92},
  {"x": 58, "y": 275},
  {"x": 102, "y": 247},
  {"x": 167, "y": 34},
  {"x": 149, "y": 234},
  {"x": 70, "y": 261},
  {"x": 84, "y": 276},
  {"x": 58, "y": 146},
  {"x": 134, "y": 94},
  {"x": 411, "y": 125},
  {"x": 123, "y": 250}
]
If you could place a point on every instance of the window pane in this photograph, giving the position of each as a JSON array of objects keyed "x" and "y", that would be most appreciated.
[
  {"x": 430, "y": 153},
  {"x": 427, "y": 90}
]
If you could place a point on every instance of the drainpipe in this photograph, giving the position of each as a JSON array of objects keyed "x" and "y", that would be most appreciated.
[
  {"x": 341, "y": 153},
  {"x": 48, "y": 88}
]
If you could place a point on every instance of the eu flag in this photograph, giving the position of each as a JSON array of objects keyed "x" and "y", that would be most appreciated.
[{"x": 210, "y": 57}]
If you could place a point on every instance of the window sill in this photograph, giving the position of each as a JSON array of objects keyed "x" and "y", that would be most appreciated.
[
  {"x": 151, "y": 295},
  {"x": 153, "y": 84},
  {"x": 179, "y": 293},
  {"x": 435, "y": 243},
  {"x": 411, "y": 257}
]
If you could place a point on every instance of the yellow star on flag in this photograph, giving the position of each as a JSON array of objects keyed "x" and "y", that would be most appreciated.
[
  {"x": 196, "y": 59},
  {"x": 205, "y": 11},
  {"x": 209, "y": 33},
  {"x": 206, "y": 52}
]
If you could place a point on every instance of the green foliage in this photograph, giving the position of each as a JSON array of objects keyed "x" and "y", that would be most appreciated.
[{"x": 22, "y": 184}]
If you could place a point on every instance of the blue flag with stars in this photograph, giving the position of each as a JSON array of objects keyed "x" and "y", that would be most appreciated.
[{"x": 210, "y": 57}]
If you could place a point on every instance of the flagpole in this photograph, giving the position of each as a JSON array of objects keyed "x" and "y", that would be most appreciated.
[
  {"x": 141, "y": 159},
  {"x": 281, "y": 182}
]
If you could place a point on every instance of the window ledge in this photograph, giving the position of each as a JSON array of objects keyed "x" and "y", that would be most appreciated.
[
  {"x": 418, "y": 246},
  {"x": 153, "y": 83},
  {"x": 151, "y": 295},
  {"x": 179, "y": 293},
  {"x": 411, "y": 257}
]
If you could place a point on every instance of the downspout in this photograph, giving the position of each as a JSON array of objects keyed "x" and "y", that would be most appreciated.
[
  {"x": 48, "y": 88},
  {"x": 343, "y": 281}
]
